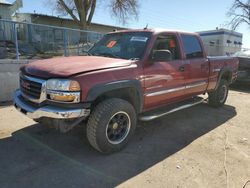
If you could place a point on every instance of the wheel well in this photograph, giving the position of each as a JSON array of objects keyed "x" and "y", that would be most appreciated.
[
  {"x": 227, "y": 76},
  {"x": 129, "y": 94}
]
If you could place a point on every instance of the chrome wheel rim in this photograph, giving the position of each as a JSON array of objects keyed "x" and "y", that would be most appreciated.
[
  {"x": 118, "y": 127},
  {"x": 223, "y": 94}
]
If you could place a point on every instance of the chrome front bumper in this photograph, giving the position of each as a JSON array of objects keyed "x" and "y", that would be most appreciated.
[{"x": 46, "y": 111}]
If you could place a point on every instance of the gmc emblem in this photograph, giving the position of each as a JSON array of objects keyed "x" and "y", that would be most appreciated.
[{"x": 25, "y": 85}]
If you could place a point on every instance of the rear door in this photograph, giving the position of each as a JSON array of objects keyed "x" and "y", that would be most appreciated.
[
  {"x": 164, "y": 81},
  {"x": 196, "y": 65}
]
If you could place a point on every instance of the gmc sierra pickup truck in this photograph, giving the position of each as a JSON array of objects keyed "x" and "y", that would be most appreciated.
[{"x": 126, "y": 76}]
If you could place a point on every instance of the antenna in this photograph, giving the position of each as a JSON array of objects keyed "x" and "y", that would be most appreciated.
[{"x": 146, "y": 27}]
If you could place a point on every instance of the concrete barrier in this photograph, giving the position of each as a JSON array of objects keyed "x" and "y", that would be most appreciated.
[{"x": 9, "y": 81}]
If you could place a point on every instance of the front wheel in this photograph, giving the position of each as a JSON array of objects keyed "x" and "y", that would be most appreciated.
[
  {"x": 218, "y": 97},
  {"x": 110, "y": 125}
]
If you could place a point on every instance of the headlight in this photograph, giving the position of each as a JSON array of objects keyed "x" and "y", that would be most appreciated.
[
  {"x": 63, "y": 90},
  {"x": 62, "y": 85}
]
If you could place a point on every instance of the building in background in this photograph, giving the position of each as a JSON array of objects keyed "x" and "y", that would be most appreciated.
[
  {"x": 221, "y": 42},
  {"x": 5, "y": 10},
  {"x": 8, "y": 9},
  {"x": 60, "y": 22}
]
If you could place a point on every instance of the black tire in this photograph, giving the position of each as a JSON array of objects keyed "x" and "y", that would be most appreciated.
[
  {"x": 100, "y": 126},
  {"x": 218, "y": 97}
]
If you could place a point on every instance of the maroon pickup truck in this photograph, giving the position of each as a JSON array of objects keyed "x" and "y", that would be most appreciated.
[{"x": 126, "y": 76}]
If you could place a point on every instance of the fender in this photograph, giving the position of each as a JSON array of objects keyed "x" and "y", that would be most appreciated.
[
  {"x": 100, "y": 89},
  {"x": 221, "y": 73}
]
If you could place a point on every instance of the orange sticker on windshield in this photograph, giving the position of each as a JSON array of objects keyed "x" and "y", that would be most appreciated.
[
  {"x": 172, "y": 43},
  {"x": 111, "y": 44}
]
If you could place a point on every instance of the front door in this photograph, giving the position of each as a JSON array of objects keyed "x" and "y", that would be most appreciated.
[{"x": 165, "y": 80}]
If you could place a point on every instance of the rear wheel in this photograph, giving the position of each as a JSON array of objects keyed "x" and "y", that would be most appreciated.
[
  {"x": 218, "y": 97},
  {"x": 110, "y": 125}
]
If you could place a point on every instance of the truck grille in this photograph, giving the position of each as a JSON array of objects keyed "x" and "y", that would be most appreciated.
[{"x": 30, "y": 88}]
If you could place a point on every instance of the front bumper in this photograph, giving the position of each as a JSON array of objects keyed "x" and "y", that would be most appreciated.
[{"x": 46, "y": 111}]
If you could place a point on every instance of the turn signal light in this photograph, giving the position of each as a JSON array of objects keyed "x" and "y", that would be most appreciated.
[
  {"x": 66, "y": 98},
  {"x": 74, "y": 86}
]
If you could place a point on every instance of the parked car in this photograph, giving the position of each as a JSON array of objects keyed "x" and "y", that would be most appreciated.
[
  {"x": 127, "y": 75},
  {"x": 244, "y": 67}
]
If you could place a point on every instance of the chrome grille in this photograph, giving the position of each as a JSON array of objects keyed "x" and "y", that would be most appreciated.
[{"x": 32, "y": 88}]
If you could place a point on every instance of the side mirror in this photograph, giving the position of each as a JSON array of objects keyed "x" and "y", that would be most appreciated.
[{"x": 162, "y": 55}]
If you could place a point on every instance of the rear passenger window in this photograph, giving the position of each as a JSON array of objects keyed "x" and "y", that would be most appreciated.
[{"x": 192, "y": 46}]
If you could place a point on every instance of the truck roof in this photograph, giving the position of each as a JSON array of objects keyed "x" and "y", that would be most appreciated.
[{"x": 156, "y": 31}]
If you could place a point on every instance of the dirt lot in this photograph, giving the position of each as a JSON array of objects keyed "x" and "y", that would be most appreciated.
[{"x": 197, "y": 147}]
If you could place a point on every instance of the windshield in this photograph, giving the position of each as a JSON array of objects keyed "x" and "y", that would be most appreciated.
[{"x": 127, "y": 45}]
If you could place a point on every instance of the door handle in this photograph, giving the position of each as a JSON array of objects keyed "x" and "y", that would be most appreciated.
[{"x": 181, "y": 68}]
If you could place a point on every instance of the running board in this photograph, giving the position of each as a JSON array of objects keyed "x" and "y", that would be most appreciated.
[{"x": 156, "y": 115}]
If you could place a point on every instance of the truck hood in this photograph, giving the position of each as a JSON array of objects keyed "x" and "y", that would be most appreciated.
[{"x": 68, "y": 66}]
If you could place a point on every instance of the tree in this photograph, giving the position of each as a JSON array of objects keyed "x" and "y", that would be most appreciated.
[
  {"x": 82, "y": 11},
  {"x": 240, "y": 13}
]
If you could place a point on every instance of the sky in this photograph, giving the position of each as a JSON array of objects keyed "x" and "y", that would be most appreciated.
[{"x": 191, "y": 15}]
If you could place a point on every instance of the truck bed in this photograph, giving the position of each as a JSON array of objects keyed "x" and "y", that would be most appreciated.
[{"x": 219, "y": 63}]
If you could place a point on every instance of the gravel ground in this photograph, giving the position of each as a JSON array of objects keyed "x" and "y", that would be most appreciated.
[{"x": 196, "y": 147}]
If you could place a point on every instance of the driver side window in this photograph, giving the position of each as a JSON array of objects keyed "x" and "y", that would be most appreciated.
[{"x": 167, "y": 42}]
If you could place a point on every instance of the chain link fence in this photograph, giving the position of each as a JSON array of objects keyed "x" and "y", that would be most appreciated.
[{"x": 19, "y": 40}]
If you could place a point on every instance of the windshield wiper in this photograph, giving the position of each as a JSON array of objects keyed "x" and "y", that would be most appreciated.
[{"x": 108, "y": 55}]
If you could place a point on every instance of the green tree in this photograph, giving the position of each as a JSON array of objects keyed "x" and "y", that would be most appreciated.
[
  {"x": 239, "y": 13},
  {"x": 82, "y": 11}
]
